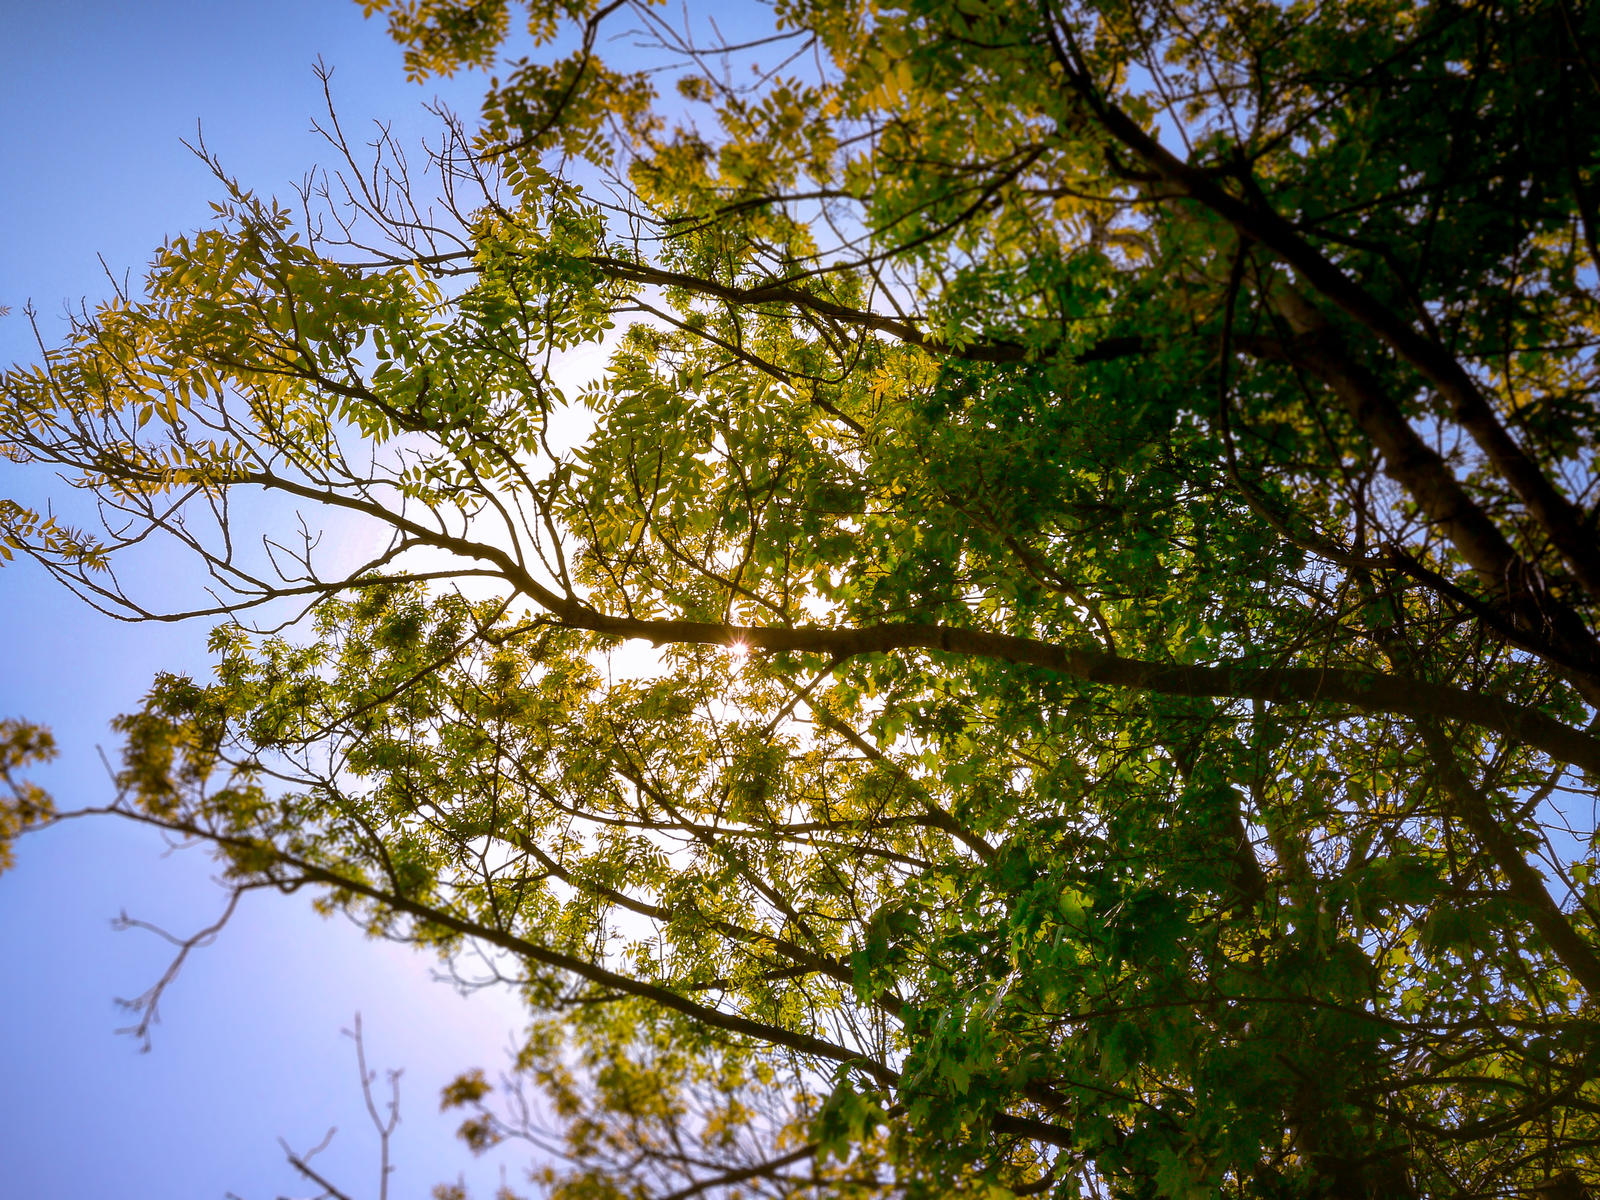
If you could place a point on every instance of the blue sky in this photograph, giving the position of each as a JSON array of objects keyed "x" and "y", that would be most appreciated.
[{"x": 97, "y": 97}]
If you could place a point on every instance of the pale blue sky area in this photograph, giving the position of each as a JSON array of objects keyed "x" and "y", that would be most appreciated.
[{"x": 96, "y": 97}]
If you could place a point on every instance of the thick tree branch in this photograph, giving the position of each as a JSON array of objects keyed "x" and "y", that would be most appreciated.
[
  {"x": 1556, "y": 515},
  {"x": 1424, "y": 474},
  {"x": 784, "y": 293},
  {"x": 1364, "y": 691},
  {"x": 1523, "y": 882}
]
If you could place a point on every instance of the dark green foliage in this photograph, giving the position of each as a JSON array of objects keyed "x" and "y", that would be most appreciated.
[{"x": 1110, "y": 492}]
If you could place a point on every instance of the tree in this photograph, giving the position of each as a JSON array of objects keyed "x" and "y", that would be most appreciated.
[{"x": 1111, "y": 491}]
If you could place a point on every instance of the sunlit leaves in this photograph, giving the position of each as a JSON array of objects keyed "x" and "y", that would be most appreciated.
[
  {"x": 1088, "y": 330},
  {"x": 23, "y": 803}
]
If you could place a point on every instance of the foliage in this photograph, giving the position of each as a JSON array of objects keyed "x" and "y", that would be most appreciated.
[
  {"x": 1110, "y": 489},
  {"x": 23, "y": 803}
]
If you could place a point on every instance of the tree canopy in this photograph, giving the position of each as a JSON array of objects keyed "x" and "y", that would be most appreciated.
[{"x": 1110, "y": 490}]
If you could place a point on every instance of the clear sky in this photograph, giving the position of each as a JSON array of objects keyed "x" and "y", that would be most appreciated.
[{"x": 97, "y": 95}]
